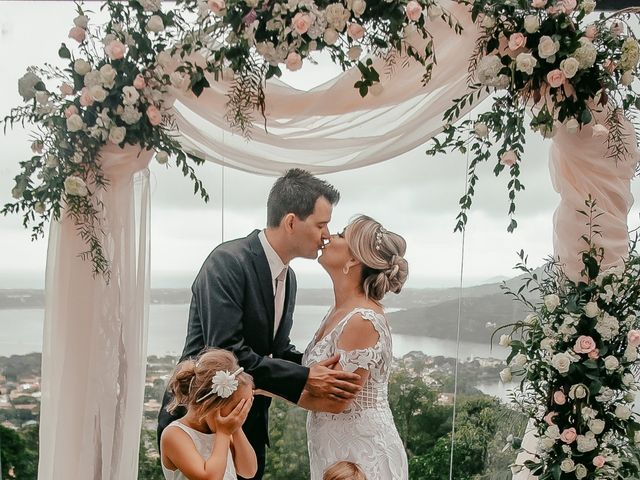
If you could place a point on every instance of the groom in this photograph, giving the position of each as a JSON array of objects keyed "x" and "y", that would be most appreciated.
[{"x": 243, "y": 300}]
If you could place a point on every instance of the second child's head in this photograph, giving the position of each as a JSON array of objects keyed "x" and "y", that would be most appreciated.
[
  {"x": 208, "y": 382},
  {"x": 344, "y": 471}
]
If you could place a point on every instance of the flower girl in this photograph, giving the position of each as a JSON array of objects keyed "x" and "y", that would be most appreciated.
[{"x": 208, "y": 442}]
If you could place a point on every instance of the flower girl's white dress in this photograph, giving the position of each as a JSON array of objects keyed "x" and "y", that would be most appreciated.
[{"x": 364, "y": 433}]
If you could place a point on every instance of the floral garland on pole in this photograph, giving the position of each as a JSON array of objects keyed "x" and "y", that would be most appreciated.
[
  {"x": 577, "y": 354},
  {"x": 547, "y": 59},
  {"x": 118, "y": 79}
]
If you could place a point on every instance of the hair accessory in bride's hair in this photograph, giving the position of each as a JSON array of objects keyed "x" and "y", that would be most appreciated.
[
  {"x": 223, "y": 384},
  {"x": 379, "y": 234}
]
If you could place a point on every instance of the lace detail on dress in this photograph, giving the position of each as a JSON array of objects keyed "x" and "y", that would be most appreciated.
[{"x": 365, "y": 432}]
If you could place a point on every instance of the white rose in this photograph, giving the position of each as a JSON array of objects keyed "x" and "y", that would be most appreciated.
[
  {"x": 505, "y": 375},
  {"x": 488, "y": 22},
  {"x": 611, "y": 363},
  {"x": 155, "y": 24},
  {"x": 581, "y": 471},
  {"x": 547, "y": 344},
  {"x": 488, "y": 69},
  {"x": 164, "y": 58},
  {"x": 623, "y": 412},
  {"x": 481, "y": 129},
  {"x": 551, "y": 301},
  {"x": 631, "y": 354},
  {"x": 75, "y": 186},
  {"x": 108, "y": 75},
  {"x": 75, "y": 123},
  {"x": 525, "y": 62},
  {"x": 591, "y": 310},
  {"x": 596, "y": 426},
  {"x": 130, "y": 95},
  {"x": 130, "y": 115},
  {"x": 546, "y": 443},
  {"x": 569, "y": 67},
  {"x": 81, "y": 21},
  {"x": 547, "y": 47},
  {"x": 519, "y": 360},
  {"x": 588, "y": 5},
  {"x": 505, "y": 340},
  {"x": 567, "y": 465},
  {"x": 530, "y": 319},
  {"x": 81, "y": 67},
  {"x": 434, "y": 11},
  {"x": 358, "y": 7},
  {"x": 578, "y": 391},
  {"x": 162, "y": 157},
  {"x": 628, "y": 379},
  {"x": 330, "y": 36},
  {"x": 561, "y": 362},
  {"x": 627, "y": 78},
  {"x": 572, "y": 125},
  {"x": 117, "y": 134},
  {"x": 531, "y": 23},
  {"x": 51, "y": 161},
  {"x": 180, "y": 81},
  {"x": 586, "y": 443},
  {"x": 98, "y": 93},
  {"x": 553, "y": 432},
  {"x": 586, "y": 54}
]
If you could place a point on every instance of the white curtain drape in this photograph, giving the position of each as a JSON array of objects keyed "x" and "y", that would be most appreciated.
[{"x": 94, "y": 352}]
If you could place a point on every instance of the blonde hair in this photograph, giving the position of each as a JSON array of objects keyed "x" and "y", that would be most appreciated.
[
  {"x": 381, "y": 253},
  {"x": 344, "y": 471},
  {"x": 191, "y": 380}
]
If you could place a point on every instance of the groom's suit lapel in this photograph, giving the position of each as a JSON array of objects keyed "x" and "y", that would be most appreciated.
[{"x": 263, "y": 275}]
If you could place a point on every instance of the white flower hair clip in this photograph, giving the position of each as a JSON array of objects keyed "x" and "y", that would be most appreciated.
[{"x": 223, "y": 384}]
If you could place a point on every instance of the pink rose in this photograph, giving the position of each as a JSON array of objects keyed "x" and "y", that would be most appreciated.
[
  {"x": 591, "y": 32},
  {"x": 293, "y": 61},
  {"x": 139, "y": 82},
  {"x": 355, "y": 31},
  {"x": 78, "y": 34},
  {"x": 66, "y": 89},
  {"x": 633, "y": 337},
  {"x": 154, "y": 115},
  {"x": 584, "y": 344},
  {"x": 70, "y": 110},
  {"x": 86, "y": 99},
  {"x": 508, "y": 158},
  {"x": 115, "y": 50},
  {"x": 548, "y": 418},
  {"x": 569, "y": 435},
  {"x": 516, "y": 41},
  {"x": 555, "y": 78},
  {"x": 559, "y": 397},
  {"x": 216, "y": 6},
  {"x": 301, "y": 22},
  {"x": 539, "y": 3},
  {"x": 413, "y": 10},
  {"x": 594, "y": 354},
  {"x": 599, "y": 461}
]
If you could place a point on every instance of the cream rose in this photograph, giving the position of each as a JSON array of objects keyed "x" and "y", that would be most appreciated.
[
  {"x": 531, "y": 23},
  {"x": 505, "y": 375},
  {"x": 155, "y": 24},
  {"x": 508, "y": 158},
  {"x": 569, "y": 67},
  {"x": 547, "y": 47},
  {"x": 74, "y": 185},
  {"x": 591, "y": 310},
  {"x": 81, "y": 67},
  {"x": 330, "y": 36},
  {"x": 75, "y": 123},
  {"x": 117, "y": 134},
  {"x": 611, "y": 363},
  {"x": 162, "y": 157},
  {"x": 81, "y": 21},
  {"x": 526, "y": 62},
  {"x": 561, "y": 362},
  {"x": 481, "y": 129},
  {"x": 551, "y": 301}
]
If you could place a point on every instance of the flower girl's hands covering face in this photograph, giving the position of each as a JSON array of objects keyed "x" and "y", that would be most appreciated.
[{"x": 233, "y": 420}]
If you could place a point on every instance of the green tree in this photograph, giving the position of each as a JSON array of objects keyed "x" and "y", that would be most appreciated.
[
  {"x": 149, "y": 466},
  {"x": 288, "y": 457},
  {"x": 19, "y": 451}
]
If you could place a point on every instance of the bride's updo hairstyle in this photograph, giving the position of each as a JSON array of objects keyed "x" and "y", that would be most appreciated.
[
  {"x": 381, "y": 253},
  {"x": 192, "y": 378}
]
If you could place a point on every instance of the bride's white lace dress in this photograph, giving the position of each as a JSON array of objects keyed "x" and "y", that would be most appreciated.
[{"x": 364, "y": 433}]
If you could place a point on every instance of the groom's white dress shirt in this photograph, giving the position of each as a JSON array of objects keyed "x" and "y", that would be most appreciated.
[{"x": 278, "y": 277}]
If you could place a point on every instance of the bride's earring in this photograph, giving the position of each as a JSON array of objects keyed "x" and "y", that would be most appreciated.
[{"x": 345, "y": 270}]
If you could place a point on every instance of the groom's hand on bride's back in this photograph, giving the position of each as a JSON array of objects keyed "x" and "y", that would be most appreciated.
[{"x": 327, "y": 382}]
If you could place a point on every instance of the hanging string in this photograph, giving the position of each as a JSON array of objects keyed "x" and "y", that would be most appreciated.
[{"x": 460, "y": 291}]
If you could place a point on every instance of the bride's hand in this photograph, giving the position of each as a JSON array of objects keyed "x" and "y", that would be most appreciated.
[{"x": 325, "y": 381}]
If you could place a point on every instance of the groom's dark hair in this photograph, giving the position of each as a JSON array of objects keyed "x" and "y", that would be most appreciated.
[{"x": 297, "y": 192}]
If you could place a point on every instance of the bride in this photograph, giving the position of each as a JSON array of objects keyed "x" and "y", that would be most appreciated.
[{"x": 365, "y": 262}]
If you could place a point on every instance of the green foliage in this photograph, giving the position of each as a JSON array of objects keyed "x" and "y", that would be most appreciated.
[
  {"x": 287, "y": 458},
  {"x": 19, "y": 452}
]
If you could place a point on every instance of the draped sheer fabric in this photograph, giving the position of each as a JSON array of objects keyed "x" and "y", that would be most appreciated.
[{"x": 95, "y": 335}]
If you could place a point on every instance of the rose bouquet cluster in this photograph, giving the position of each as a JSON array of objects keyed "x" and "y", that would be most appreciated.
[
  {"x": 113, "y": 90},
  {"x": 577, "y": 354},
  {"x": 553, "y": 60}
]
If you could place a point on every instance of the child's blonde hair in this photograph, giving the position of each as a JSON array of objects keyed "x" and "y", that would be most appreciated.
[
  {"x": 344, "y": 471},
  {"x": 191, "y": 381}
]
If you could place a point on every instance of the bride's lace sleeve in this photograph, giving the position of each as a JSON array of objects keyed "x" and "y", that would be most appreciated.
[{"x": 366, "y": 358}]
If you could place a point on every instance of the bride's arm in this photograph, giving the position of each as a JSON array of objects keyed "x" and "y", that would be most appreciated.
[{"x": 358, "y": 334}]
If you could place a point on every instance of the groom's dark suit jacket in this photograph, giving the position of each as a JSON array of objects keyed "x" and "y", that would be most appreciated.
[{"x": 232, "y": 308}]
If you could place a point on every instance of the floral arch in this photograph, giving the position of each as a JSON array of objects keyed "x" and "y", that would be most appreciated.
[{"x": 198, "y": 81}]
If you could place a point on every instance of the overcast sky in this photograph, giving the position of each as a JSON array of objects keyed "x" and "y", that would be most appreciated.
[{"x": 414, "y": 195}]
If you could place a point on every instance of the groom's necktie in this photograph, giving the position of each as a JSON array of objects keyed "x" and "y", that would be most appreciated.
[{"x": 278, "y": 299}]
